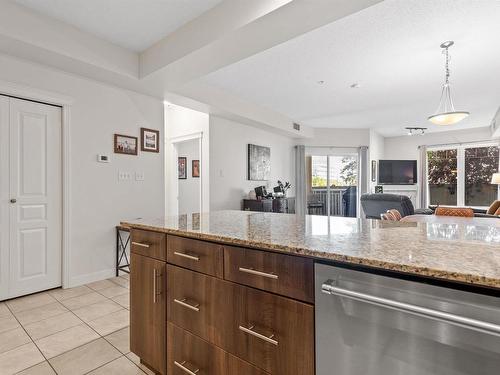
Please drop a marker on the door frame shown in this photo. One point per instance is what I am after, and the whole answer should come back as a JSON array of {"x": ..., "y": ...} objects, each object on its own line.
[
  {"x": 65, "y": 102},
  {"x": 174, "y": 141}
]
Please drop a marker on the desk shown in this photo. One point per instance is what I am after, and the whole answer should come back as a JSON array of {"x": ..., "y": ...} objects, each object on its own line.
[{"x": 452, "y": 220}]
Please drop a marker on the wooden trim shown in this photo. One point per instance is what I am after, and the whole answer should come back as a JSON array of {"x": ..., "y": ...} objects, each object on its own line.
[{"x": 157, "y": 132}]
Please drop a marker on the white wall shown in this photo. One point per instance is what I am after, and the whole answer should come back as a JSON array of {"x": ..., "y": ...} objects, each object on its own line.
[
  {"x": 181, "y": 122},
  {"x": 189, "y": 189},
  {"x": 406, "y": 147},
  {"x": 337, "y": 138},
  {"x": 228, "y": 158},
  {"x": 98, "y": 200}
]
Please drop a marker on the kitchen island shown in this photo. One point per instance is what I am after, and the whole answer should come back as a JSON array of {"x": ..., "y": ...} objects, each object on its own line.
[{"x": 233, "y": 292}]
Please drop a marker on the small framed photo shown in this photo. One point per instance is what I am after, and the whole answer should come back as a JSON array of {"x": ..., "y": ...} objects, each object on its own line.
[
  {"x": 195, "y": 168},
  {"x": 125, "y": 144},
  {"x": 150, "y": 140},
  {"x": 182, "y": 167}
]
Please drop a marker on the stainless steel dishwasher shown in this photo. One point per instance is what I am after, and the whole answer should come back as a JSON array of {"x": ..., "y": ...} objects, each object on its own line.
[{"x": 368, "y": 324}]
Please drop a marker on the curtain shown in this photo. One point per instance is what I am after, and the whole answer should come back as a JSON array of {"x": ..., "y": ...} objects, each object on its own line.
[
  {"x": 300, "y": 180},
  {"x": 362, "y": 176},
  {"x": 422, "y": 177}
]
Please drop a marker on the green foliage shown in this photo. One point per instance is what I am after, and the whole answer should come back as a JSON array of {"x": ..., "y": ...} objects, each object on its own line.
[{"x": 349, "y": 171}]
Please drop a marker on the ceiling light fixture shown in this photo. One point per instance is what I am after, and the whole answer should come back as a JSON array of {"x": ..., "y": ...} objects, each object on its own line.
[
  {"x": 320, "y": 82},
  {"x": 413, "y": 131},
  {"x": 446, "y": 113},
  {"x": 355, "y": 86}
]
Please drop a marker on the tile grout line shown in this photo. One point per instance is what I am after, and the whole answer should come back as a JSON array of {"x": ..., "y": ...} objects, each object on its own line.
[{"x": 34, "y": 343}]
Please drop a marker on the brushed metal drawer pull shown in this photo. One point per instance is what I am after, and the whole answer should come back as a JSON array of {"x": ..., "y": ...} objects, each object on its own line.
[
  {"x": 182, "y": 366},
  {"x": 250, "y": 331},
  {"x": 258, "y": 273},
  {"x": 141, "y": 244},
  {"x": 154, "y": 285},
  {"x": 184, "y": 255},
  {"x": 183, "y": 302}
]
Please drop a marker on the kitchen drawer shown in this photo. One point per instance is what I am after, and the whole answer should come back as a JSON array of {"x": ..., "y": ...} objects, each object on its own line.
[
  {"x": 194, "y": 301},
  {"x": 271, "y": 332},
  {"x": 188, "y": 354},
  {"x": 148, "y": 243},
  {"x": 287, "y": 275},
  {"x": 201, "y": 256}
]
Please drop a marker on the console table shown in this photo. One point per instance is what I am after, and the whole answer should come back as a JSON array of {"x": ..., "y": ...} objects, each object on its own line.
[{"x": 281, "y": 205}]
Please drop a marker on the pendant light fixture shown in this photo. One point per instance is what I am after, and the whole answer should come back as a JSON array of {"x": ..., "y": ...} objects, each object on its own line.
[{"x": 446, "y": 113}]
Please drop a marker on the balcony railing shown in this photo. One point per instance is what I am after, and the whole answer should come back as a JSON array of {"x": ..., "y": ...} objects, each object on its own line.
[{"x": 320, "y": 195}]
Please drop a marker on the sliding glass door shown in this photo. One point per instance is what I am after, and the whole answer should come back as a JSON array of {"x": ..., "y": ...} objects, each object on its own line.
[
  {"x": 331, "y": 183},
  {"x": 461, "y": 175}
]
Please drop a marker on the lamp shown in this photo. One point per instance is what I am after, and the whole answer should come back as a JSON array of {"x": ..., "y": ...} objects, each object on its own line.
[
  {"x": 495, "y": 179},
  {"x": 446, "y": 113}
]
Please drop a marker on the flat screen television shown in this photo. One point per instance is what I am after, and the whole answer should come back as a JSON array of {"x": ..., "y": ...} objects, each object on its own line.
[{"x": 397, "y": 172}]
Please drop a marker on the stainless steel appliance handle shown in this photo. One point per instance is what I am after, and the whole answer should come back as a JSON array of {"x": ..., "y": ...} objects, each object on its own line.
[
  {"x": 184, "y": 255},
  {"x": 477, "y": 325},
  {"x": 182, "y": 366},
  {"x": 258, "y": 273}
]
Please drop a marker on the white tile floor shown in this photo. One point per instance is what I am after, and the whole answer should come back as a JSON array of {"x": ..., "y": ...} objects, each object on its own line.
[{"x": 83, "y": 330}]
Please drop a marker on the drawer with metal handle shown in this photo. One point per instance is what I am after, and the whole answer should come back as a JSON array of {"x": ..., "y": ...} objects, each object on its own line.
[
  {"x": 278, "y": 273},
  {"x": 271, "y": 332},
  {"x": 201, "y": 256},
  {"x": 193, "y": 301},
  {"x": 190, "y": 355},
  {"x": 148, "y": 243}
]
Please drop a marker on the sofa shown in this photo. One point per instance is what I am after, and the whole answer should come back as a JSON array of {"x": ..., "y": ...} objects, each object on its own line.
[{"x": 376, "y": 204}]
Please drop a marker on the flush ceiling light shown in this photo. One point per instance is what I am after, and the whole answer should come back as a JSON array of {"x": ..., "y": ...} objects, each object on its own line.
[
  {"x": 413, "y": 131},
  {"x": 446, "y": 113}
]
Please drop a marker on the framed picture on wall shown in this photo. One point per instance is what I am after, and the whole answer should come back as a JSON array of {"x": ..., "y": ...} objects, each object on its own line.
[
  {"x": 182, "y": 167},
  {"x": 150, "y": 140},
  {"x": 374, "y": 170},
  {"x": 195, "y": 168},
  {"x": 259, "y": 163},
  {"x": 125, "y": 144}
]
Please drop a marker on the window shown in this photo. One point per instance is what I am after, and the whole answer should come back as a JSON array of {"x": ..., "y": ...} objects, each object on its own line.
[{"x": 461, "y": 175}]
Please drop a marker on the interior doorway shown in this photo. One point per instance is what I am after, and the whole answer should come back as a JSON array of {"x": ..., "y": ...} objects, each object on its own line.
[
  {"x": 31, "y": 197},
  {"x": 187, "y": 188}
]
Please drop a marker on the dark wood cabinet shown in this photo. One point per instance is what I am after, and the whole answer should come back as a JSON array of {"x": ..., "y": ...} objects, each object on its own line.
[
  {"x": 148, "y": 316},
  {"x": 271, "y": 332},
  {"x": 281, "y": 205},
  {"x": 219, "y": 309},
  {"x": 148, "y": 243},
  {"x": 287, "y": 275},
  {"x": 201, "y": 256}
]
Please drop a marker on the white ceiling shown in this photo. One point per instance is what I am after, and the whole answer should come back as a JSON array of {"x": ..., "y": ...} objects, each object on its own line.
[
  {"x": 392, "y": 50},
  {"x": 132, "y": 24}
]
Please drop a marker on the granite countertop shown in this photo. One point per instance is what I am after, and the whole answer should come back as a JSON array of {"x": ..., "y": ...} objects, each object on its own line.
[{"x": 452, "y": 251}]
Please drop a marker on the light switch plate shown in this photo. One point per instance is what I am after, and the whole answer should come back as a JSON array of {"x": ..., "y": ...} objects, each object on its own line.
[
  {"x": 124, "y": 176},
  {"x": 139, "y": 176}
]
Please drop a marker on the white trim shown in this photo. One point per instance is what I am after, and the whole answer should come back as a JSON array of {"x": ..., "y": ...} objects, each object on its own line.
[
  {"x": 90, "y": 277},
  {"x": 186, "y": 137},
  {"x": 31, "y": 93},
  {"x": 49, "y": 97}
]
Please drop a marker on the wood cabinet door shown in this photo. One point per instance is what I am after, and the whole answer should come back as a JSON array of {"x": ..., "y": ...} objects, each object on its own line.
[
  {"x": 148, "y": 316},
  {"x": 271, "y": 332},
  {"x": 148, "y": 243}
]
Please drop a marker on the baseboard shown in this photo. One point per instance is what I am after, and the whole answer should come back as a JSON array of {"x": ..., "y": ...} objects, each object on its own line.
[{"x": 90, "y": 277}]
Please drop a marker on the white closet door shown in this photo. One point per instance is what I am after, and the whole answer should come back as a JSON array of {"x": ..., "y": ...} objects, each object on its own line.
[
  {"x": 35, "y": 197},
  {"x": 4, "y": 197}
]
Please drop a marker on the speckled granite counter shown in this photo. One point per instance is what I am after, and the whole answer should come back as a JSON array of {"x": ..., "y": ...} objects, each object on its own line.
[{"x": 456, "y": 252}]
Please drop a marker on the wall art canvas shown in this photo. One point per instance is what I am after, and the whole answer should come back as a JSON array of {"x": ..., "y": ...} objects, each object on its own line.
[
  {"x": 196, "y": 168},
  {"x": 259, "y": 163},
  {"x": 182, "y": 168}
]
